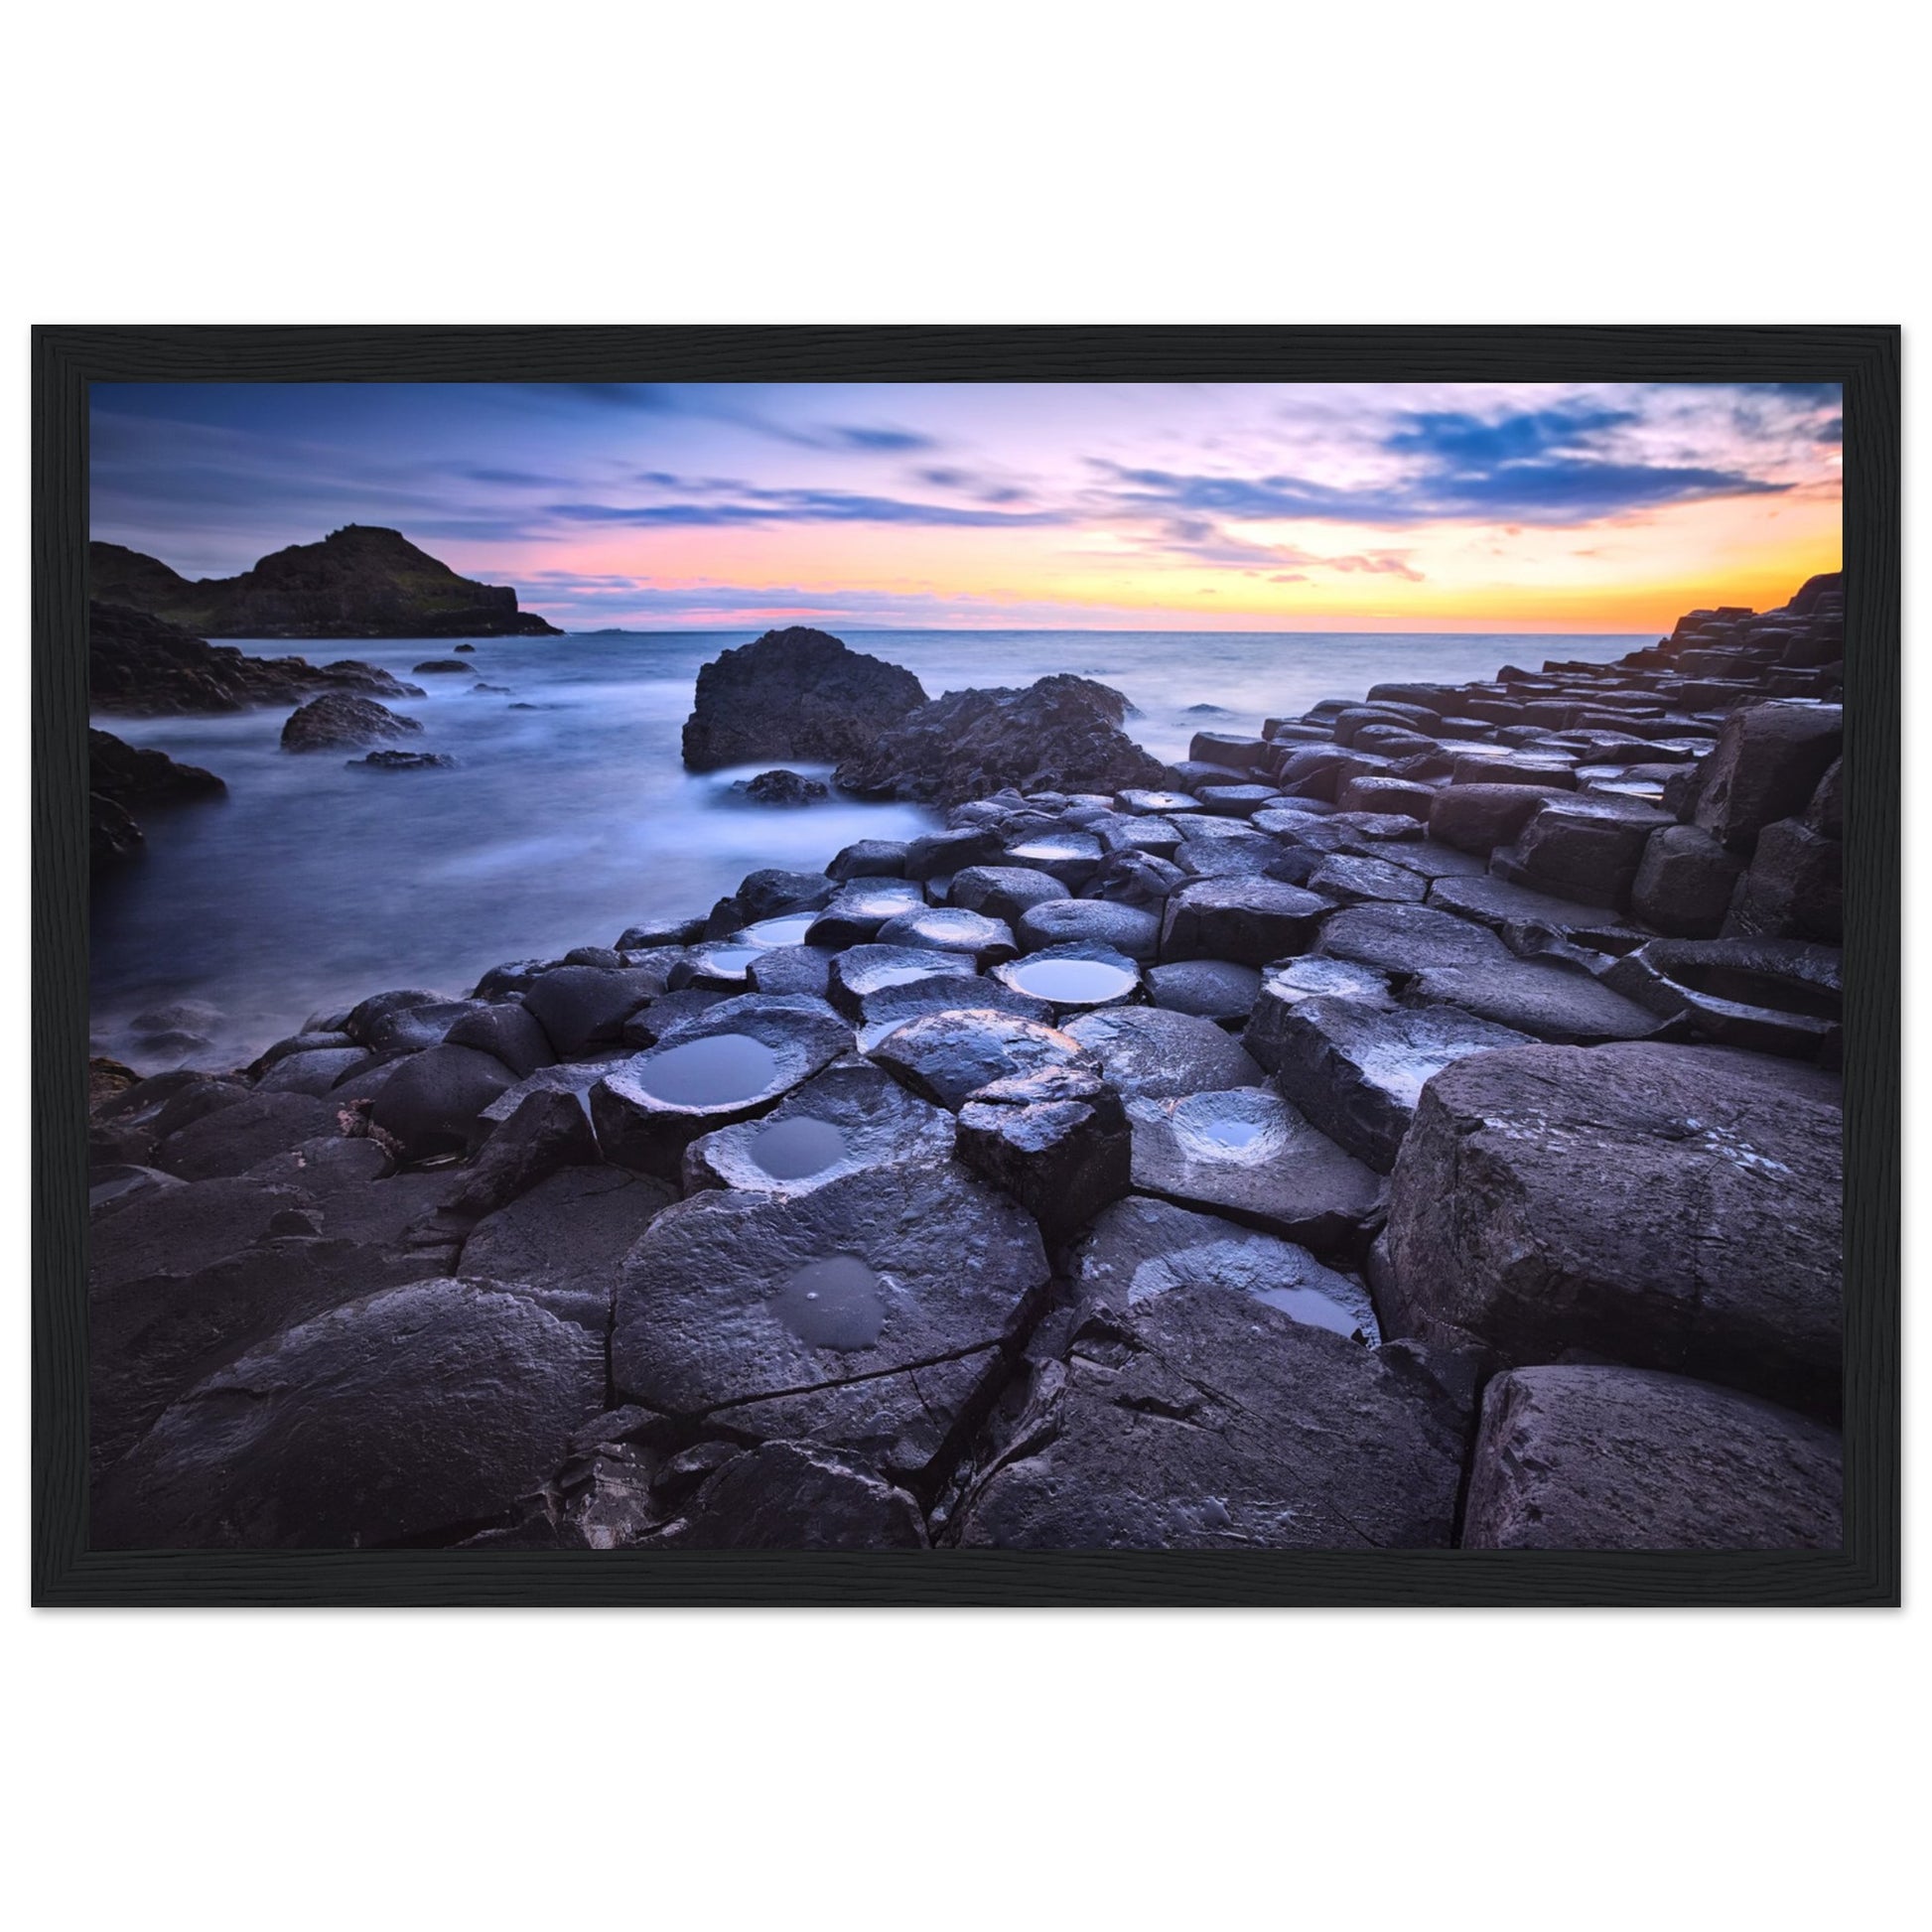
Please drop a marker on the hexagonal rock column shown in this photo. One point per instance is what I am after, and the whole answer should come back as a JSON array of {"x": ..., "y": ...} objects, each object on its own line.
[
  {"x": 1767, "y": 764},
  {"x": 1248, "y": 1155},
  {"x": 1153, "y": 1053},
  {"x": 409, "y": 1412},
  {"x": 1669, "y": 1208},
  {"x": 946, "y": 1058},
  {"x": 1249, "y": 920},
  {"x": 1205, "y": 1420},
  {"x": 1357, "y": 1071},
  {"x": 1055, "y": 1140},
  {"x": 1142, "y": 1248},
  {"x": 1619, "y": 1458},
  {"x": 852, "y": 1115},
  {"x": 867, "y": 1315},
  {"x": 736, "y": 1061}
]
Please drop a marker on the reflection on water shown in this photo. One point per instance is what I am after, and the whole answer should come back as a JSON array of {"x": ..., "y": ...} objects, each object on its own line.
[
  {"x": 721, "y": 1072},
  {"x": 1071, "y": 982},
  {"x": 833, "y": 1304},
  {"x": 312, "y": 883},
  {"x": 790, "y": 1149}
]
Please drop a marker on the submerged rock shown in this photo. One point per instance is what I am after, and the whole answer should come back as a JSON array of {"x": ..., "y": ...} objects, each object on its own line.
[
  {"x": 796, "y": 693},
  {"x": 1619, "y": 1458},
  {"x": 782, "y": 789}
]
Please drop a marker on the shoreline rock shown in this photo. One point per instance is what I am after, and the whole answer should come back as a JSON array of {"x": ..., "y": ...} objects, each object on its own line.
[{"x": 1410, "y": 1124}]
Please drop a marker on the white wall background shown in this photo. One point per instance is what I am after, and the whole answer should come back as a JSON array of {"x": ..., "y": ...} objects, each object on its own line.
[{"x": 1001, "y": 162}]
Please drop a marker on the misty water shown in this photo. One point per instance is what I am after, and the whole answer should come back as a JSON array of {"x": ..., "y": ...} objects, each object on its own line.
[{"x": 313, "y": 885}]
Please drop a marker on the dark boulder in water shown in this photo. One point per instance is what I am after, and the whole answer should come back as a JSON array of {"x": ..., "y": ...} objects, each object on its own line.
[
  {"x": 121, "y": 776},
  {"x": 795, "y": 694},
  {"x": 402, "y": 761},
  {"x": 782, "y": 789},
  {"x": 338, "y": 722},
  {"x": 143, "y": 665},
  {"x": 1061, "y": 734}
]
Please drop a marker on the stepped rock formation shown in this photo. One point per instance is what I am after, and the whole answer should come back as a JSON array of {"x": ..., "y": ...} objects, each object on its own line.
[
  {"x": 357, "y": 582},
  {"x": 930, "y": 1202}
]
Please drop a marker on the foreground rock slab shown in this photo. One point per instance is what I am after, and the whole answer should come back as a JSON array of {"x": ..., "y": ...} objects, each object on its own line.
[
  {"x": 1668, "y": 1207},
  {"x": 795, "y": 1496},
  {"x": 1207, "y": 1420},
  {"x": 835, "y": 1315},
  {"x": 1617, "y": 1459},
  {"x": 405, "y": 1414}
]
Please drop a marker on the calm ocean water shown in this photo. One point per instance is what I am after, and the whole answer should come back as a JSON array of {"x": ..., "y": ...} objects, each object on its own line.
[{"x": 313, "y": 885}]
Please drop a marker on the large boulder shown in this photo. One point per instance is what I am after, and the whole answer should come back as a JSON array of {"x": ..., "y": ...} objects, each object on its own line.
[
  {"x": 1685, "y": 882},
  {"x": 1670, "y": 1208},
  {"x": 1055, "y": 1140},
  {"x": 1769, "y": 761},
  {"x": 338, "y": 722},
  {"x": 1202, "y": 1419},
  {"x": 405, "y": 1415},
  {"x": 1617, "y": 1459},
  {"x": 795, "y": 693},
  {"x": 1061, "y": 734}
]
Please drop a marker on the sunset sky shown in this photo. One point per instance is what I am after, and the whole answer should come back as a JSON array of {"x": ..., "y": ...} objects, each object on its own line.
[{"x": 1388, "y": 506}]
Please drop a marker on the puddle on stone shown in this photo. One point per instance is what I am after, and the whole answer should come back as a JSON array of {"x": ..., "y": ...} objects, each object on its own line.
[
  {"x": 1070, "y": 982},
  {"x": 1048, "y": 852},
  {"x": 713, "y": 1072},
  {"x": 790, "y": 1149},
  {"x": 833, "y": 1304},
  {"x": 1310, "y": 1307},
  {"x": 788, "y": 929},
  {"x": 1242, "y": 1125},
  {"x": 728, "y": 958}
]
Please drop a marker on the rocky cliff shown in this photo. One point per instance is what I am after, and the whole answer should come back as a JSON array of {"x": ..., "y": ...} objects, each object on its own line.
[{"x": 357, "y": 582}]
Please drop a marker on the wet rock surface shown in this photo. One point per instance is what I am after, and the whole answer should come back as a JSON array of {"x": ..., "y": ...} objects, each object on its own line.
[
  {"x": 733, "y": 1301},
  {"x": 1357, "y": 1071},
  {"x": 898, "y": 1097},
  {"x": 407, "y": 1413},
  {"x": 1668, "y": 1207},
  {"x": 1205, "y": 1420},
  {"x": 1249, "y": 1155},
  {"x": 1618, "y": 1458}
]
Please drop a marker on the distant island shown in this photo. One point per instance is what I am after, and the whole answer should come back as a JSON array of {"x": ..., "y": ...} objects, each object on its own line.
[{"x": 357, "y": 582}]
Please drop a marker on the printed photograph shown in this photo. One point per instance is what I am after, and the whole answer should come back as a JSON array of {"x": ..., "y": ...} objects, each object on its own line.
[{"x": 954, "y": 966}]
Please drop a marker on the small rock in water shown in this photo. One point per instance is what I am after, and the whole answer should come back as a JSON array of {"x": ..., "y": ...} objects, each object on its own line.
[
  {"x": 782, "y": 789},
  {"x": 402, "y": 761}
]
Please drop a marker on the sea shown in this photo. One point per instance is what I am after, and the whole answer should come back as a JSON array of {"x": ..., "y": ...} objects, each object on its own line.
[{"x": 569, "y": 816}]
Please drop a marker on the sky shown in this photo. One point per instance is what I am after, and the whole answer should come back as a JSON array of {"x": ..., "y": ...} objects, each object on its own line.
[{"x": 1321, "y": 506}]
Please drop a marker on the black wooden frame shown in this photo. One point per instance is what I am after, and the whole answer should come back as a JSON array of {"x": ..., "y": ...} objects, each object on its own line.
[{"x": 1865, "y": 359}]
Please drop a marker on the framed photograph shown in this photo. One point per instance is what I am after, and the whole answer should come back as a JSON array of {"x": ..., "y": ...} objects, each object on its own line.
[{"x": 966, "y": 966}]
